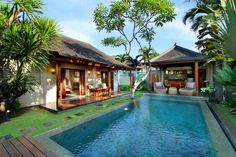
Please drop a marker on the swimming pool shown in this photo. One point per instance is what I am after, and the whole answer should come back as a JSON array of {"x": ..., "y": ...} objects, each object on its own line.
[{"x": 152, "y": 126}]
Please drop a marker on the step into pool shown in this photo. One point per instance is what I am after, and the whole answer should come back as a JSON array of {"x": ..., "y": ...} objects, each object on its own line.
[{"x": 151, "y": 126}]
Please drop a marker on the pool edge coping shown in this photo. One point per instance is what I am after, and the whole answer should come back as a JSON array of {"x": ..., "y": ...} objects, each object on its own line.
[{"x": 221, "y": 143}]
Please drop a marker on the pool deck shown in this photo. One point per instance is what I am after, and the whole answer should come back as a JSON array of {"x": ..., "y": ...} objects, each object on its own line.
[
  {"x": 24, "y": 146},
  {"x": 71, "y": 103}
]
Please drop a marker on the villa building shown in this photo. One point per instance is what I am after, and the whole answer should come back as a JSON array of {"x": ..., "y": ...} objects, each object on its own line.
[
  {"x": 179, "y": 65},
  {"x": 77, "y": 69}
]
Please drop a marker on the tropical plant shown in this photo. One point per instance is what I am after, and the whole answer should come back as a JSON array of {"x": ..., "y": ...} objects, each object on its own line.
[
  {"x": 204, "y": 18},
  {"x": 121, "y": 57},
  {"x": 227, "y": 77},
  {"x": 227, "y": 29},
  {"x": 25, "y": 42},
  {"x": 146, "y": 53},
  {"x": 135, "y": 21}
]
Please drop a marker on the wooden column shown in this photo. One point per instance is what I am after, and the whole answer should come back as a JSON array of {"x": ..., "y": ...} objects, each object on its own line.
[
  {"x": 82, "y": 83},
  {"x": 131, "y": 79},
  {"x": 109, "y": 80},
  {"x": 58, "y": 77},
  {"x": 196, "y": 76},
  {"x": 156, "y": 75},
  {"x": 150, "y": 81}
]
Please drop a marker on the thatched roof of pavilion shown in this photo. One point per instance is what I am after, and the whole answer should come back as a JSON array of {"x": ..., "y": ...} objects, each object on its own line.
[{"x": 76, "y": 49}]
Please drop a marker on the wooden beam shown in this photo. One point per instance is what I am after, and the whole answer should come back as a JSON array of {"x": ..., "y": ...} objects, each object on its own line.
[
  {"x": 131, "y": 79},
  {"x": 58, "y": 77},
  {"x": 157, "y": 77},
  {"x": 196, "y": 76},
  {"x": 109, "y": 79},
  {"x": 150, "y": 81}
]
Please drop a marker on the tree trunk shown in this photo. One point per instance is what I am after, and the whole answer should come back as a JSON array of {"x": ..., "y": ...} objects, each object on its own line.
[{"x": 138, "y": 81}]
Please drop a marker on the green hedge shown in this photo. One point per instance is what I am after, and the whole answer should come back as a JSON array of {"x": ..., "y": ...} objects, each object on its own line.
[{"x": 125, "y": 87}]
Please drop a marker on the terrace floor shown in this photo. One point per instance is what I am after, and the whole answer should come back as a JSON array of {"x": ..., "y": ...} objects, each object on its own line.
[
  {"x": 80, "y": 101},
  {"x": 24, "y": 146}
]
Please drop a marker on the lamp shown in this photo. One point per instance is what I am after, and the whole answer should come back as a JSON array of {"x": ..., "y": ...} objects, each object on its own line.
[
  {"x": 51, "y": 69},
  {"x": 89, "y": 72},
  {"x": 98, "y": 72}
]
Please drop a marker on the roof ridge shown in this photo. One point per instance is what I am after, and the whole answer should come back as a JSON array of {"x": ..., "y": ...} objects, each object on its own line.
[
  {"x": 163, "y": 53},
  {"x": 188, "y": 50}
]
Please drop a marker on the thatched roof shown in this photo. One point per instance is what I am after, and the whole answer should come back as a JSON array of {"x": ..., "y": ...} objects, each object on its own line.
[
  {"x": 178, "y": 54},
  {"x": 75, "y": 49}
]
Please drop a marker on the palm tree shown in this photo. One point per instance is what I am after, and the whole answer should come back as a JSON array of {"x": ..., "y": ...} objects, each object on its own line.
[
  {"x": 27, "y": 8},
  {"x": 121, "y": 57},
  {"x": 204, "y": 18},
  {"x": 147, "y": 54},
  {"x": 227, "y": 29},
  {"x": 25, "y": 44}
]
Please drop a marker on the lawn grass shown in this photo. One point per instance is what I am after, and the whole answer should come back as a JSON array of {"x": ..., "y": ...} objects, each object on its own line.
[
  {"x": 225, "y": 109},
  {"x": 35, "y": 117}
]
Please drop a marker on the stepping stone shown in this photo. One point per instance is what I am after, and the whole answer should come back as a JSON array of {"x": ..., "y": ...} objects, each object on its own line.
[
  {"x": 48, "y": 124},
  {"x": 67, "y": 118},
  {"x": 98, "y": 108},
  {"x": 5, "y": 138},
  {"x": 89, "y": 111},
  {"x": 28, "y": 130},
  {"x": 79, "y": 114}
]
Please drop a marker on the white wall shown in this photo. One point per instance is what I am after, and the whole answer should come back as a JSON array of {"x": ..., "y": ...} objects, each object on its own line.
[
  {"x": 33, "y": 98},
  {"x": 49, "y": 85},
  {"x": 209, "y": 74},
  {"x": 44, "y": 94},
  {"x": 115, "y": 81}
]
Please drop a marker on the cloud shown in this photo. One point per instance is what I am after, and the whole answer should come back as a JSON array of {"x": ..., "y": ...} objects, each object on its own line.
[
  {"x": 81, "y": 30},
  {"x": 178, "y": 30}
]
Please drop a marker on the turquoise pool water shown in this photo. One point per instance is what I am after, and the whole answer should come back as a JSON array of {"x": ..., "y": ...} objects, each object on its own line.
[{"x": 158, "y": 127}]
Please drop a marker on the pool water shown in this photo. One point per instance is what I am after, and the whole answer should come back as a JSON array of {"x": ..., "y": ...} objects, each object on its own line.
[{"x": 150, "y": 127}]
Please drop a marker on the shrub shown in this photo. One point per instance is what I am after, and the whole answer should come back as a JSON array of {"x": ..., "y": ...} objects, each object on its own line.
[
  {"x": 125, "y": 87},
  {"x": 14, "y": 107}
]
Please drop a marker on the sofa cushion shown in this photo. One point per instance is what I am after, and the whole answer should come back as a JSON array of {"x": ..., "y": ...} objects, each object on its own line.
[
  {"x": 190, "y": 85},
  {"x": 158, "y": 85}
]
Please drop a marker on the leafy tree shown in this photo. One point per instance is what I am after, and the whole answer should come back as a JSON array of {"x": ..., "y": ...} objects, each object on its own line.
[
  {"x": 139, "y": 15},
  {"x": 25, "y": 41}
]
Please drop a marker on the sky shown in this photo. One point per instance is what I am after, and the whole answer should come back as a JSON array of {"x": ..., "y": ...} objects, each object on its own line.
[{"x": 75, "y": 18}]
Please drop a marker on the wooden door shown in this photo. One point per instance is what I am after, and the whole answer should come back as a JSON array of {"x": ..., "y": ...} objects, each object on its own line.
[
  {"x": 104, "y": 77},
  {"x": 202, "y": 77}
]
